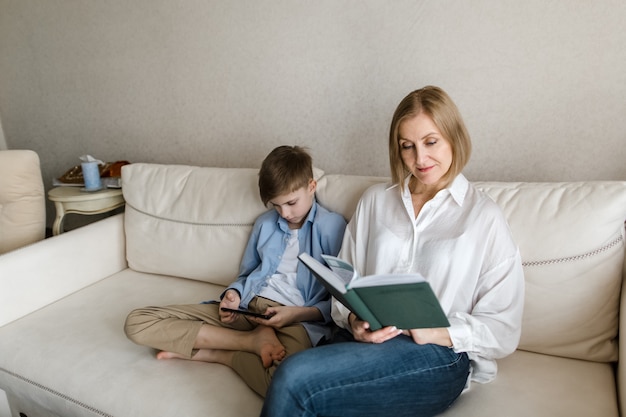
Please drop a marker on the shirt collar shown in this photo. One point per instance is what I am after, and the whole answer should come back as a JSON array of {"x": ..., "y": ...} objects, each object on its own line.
[{"x": 457, "y": 189}]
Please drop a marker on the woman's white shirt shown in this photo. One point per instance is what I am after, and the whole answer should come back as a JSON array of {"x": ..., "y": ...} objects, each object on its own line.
[{"x": 461, "y": 243}]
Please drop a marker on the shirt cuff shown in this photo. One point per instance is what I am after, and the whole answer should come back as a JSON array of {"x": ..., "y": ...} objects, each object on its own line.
[
  {"x": 340, "y": 315},
  {"x": 461, "y": 337}
]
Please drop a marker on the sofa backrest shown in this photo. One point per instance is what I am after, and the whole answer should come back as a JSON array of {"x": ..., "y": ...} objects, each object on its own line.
[
  {"x": 194, "y": 222},
  {"x": 571, "y": 238},
  {"x": 190, "y": 222}
]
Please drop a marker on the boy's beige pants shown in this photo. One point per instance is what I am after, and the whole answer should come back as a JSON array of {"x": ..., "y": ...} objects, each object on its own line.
[{"x": 174, "y": 329}]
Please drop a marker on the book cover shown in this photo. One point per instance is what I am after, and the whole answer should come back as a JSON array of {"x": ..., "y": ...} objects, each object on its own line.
[{"x": 403, "y": 300}]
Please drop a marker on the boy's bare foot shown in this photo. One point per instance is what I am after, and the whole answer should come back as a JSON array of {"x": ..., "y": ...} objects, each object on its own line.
[
  {"x": 268, "y": 346},
  {"x": 204, "y": 355},
  {"x": 169, "y": 355},
  {"x": 262, "y": 341}
]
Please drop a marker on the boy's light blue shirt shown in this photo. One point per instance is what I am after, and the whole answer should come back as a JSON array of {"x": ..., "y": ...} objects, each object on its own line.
[{"x": 321, "y": 233}]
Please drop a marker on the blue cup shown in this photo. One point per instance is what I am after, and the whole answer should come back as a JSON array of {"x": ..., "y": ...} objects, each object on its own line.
[{"x": 91, "y": 174}]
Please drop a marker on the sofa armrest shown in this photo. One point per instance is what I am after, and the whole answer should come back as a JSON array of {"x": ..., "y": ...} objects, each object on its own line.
[
  {"x": 621, "y": 364},
  {"x": 44, "y": 272}
]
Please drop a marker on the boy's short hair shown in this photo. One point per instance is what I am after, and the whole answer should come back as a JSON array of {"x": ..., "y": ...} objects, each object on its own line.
[{"x": 285, "y": 170}]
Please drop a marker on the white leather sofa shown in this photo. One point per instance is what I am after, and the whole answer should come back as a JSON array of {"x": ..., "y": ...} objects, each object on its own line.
[{"x": 63, "y": 300}]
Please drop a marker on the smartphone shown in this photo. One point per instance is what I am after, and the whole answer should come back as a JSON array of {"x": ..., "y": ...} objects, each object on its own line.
[{"x": 248, "y": 313}]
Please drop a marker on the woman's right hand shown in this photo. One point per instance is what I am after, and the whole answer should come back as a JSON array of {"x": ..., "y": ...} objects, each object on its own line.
[{"x": 362, "y": 333}]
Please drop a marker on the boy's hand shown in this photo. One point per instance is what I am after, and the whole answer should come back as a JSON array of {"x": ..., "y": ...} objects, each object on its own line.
[
  {"x": 285, "y": 315},
  {"x": 231, "y": 299}
]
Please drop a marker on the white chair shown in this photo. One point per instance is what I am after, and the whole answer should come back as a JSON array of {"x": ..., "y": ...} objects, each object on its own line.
[{"x": 22, "y": 200}]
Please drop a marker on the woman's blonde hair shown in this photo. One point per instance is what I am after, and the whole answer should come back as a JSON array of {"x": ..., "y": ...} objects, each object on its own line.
[{"x": 435, "y": 103}]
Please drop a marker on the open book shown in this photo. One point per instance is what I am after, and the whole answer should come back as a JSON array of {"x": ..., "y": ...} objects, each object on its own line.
[{"x": 403, "y": 300}]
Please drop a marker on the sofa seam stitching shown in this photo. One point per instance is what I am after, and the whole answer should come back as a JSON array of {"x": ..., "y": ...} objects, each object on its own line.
[
  {"x": 56, "y": 393},
  {"x": 574, "y": 258},
  {"x": 188, "y": 222}
]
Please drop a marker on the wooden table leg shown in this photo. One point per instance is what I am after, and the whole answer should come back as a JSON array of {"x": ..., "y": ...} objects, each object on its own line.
[{"x": 57, "y": 227}]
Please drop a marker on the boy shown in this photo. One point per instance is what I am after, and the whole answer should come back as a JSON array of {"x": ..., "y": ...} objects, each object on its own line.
[{"x": 271, "y": 282}]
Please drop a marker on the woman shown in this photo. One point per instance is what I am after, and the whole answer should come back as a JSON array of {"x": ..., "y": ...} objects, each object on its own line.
[{"x": 430, "y": 220}]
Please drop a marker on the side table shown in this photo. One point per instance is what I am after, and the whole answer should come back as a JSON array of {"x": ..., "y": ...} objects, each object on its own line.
[{"x": 73, "y": 200}]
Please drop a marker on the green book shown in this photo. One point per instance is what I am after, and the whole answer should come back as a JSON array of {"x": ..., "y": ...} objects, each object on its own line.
[{"x": 406, "y": 301}]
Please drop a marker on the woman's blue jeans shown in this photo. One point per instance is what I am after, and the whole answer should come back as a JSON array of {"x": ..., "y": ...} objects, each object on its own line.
[{"x": 396, "y": 378}]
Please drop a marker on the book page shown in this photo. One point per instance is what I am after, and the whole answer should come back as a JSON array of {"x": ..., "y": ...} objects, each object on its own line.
[
  {"x": 391, "y": 279},
  {"x": 333, "y": 282},
  {"x": 343, "y": 269}
]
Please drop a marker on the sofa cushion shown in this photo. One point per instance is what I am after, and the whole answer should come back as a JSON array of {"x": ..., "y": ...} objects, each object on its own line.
[
  {"x": 61, "y": 339},
  {"x": 532, "y": 384},
  {"x": 341, "y": 193},
  {"x": 571, "y": 238},
  {"x": 187, "y": 221},
  {"x": 191, "y": 222},
  {"x": 72, "y": 358}
]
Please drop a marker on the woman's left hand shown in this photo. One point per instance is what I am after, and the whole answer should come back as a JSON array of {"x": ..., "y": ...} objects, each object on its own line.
[
  {"x": 362, "y": 333},
  {"x": 437, "y": 336}
]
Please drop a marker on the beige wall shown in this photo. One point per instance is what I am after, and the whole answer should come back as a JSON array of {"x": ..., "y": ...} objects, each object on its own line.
[{"x": 541, "y": 83}]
